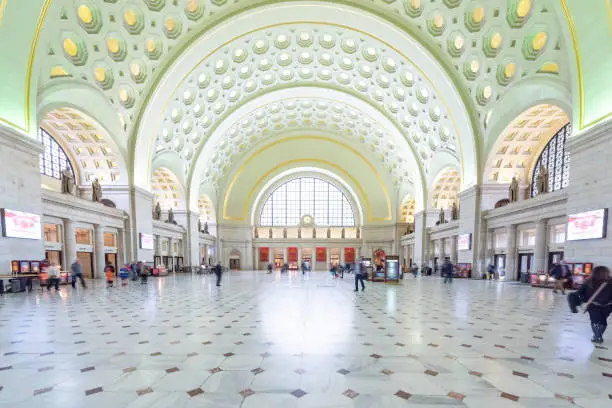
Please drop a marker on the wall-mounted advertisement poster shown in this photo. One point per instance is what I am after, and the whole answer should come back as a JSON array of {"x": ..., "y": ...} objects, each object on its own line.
[
  {"x": 146, "y": 241},
  {"x": 587, "y": 225},
  {"x": 17, "y": 224},
  {"x": 464, "y": 242}
]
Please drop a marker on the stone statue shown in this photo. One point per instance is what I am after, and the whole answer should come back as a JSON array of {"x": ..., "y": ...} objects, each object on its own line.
[
  {"x": 284, "y": 232},
  {"x": 256, "y": 232},
  {"x": 96, "y": 191},
  {"x": 300, "y": 232},
  {"x": 343, "y": 233},
  {"x": 206, "y": 227},
  {"x": 358, "y": 233},
  {"x": 199, "y": 226},
  {"x": 441, "y": 217},
  {"x": 157, "y": 212},
  {"x": 454, "y": 212},
  {"x": 67, "y": 181},
  {"x": 542, "y": 180},
  {"x": 513, "y": 191},
  {"x": 270, "y": 233},
  {"x": 314, "y": 232},
  {"x": 329, "y": 233},
  {"x": 170, "y": 216}
]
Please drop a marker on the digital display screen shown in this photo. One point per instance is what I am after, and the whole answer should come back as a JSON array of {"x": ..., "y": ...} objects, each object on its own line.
[
  {"x": 464, "y": 242},
  {"x": 587, "y": 225},
  {"x": 17, "y": 224},
  {"x": 146, "y": 241},
  {"x": 392, "y": 267}
]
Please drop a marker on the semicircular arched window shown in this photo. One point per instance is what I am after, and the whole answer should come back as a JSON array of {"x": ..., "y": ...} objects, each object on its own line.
[
  {"x": 53, "y": 159},
  {"x": 556, "y": 160},
  {"x": 307, "y": 196}
]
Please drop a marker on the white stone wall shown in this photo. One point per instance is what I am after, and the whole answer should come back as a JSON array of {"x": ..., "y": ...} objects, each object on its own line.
[
  {"x": 19, "y": 190},
  {"x": 590, "y": 188}
]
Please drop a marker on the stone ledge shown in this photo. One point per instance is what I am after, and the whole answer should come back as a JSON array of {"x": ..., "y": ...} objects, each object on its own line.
[
  {"x": 70, "y": 201},
  {"x": 539, "y": 202},
  {"x": 164, "y": 226}
]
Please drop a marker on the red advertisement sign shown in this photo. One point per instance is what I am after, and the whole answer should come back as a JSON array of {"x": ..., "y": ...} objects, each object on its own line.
[
  {"x": 264, "y": 254},
  {"x": 292, "y": 254},
  {"x": 349, "y": 255},
  {"x": 321, "y": 254}
]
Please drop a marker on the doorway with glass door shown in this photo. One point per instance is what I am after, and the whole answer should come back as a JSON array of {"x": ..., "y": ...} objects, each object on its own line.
[{"x": 525, "y": 266}]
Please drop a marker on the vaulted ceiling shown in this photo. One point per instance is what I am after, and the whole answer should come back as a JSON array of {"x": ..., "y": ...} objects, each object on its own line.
[{"x": 395, "y": 109}]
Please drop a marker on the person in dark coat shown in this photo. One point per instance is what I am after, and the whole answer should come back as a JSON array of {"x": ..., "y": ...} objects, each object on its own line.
[
  {"x": 218, "y": 272},
  {"x": 561, "y": 273},
  {"x": 447, "y": 271},
  {"x": 601, "y": 305}
]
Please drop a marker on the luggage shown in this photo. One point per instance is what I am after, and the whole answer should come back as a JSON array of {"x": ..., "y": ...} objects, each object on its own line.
[{"x": 574, "y": 300}]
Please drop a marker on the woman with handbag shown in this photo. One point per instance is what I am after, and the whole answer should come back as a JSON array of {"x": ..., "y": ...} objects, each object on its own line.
[{"x": 597, "y": 293}]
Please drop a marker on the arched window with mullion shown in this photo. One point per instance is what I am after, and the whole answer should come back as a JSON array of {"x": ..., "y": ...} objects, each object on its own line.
[
  {"x": 291, "y": 201},
  {"x": 53, "y": 159}
]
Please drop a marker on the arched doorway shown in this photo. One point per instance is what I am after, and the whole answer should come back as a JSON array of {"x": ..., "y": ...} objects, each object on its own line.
[{"x": 234, "y": 260}]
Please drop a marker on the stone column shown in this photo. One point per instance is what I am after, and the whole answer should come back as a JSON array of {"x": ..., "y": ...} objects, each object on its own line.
[
  {"x": 420, "y": 239},
  {"x": 158, "y": 245},
  {"x": 511, "y": 254},
  {"x": 19, "y": 188},
  {"x": 142, "y": 221},
  {"x": 69, "y": 244},
  {"x": 256, "y": 266},
  {"x": 99, "y": 263},
  {"x": 541, "y": 247},
  {"x": 192, "y": 247},
  {"x": 469, "y": 223},
  {"x": 328, "y": 260},
  {"x": 299, "y": 256},
  {"x": 453, "y": 245},
  {"x": 342, "y": 256},
  {"x": 285, "y": 255}
]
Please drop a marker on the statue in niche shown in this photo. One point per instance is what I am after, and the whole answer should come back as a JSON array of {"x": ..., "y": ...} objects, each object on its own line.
[
  {"x": 542, "y": 180},
  {"x": 170, "y": 216},
  {"x": 343, "y": 233},
  {"x": 300, "y": 232},
  {"x": 206, "y": 227},
  {"x": 270, "y": 233},
  {"x": 96, "y": 191},
  {"x": 358, "y": 233},
  {"x": 328, "y": 233},
  {"x": 454, "y": 212},
  {"x": 513, "y": 191},
  {"x": 314, "y": 232},
  {"x": 67, "y": 181},
  {"x": 199, "y": 226},
  {"x": 157, "y": 212},
  {"x": 284, "y": 232},
  {"x": 256, "y": 232},
  {"x": 441, "y": 217}
]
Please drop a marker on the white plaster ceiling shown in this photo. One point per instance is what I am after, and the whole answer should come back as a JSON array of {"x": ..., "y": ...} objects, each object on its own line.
[
  {"x": 167, "y": 189},
  {"x": 445, "y": 189},
  {"x": 520, "y": 144},
  {"x": 207, "y": 210},
  {"x": 304, "y": 54},
  {"x": 87, "y": 145},
  {"x": 407, "y": 211},
  {"x": 310, "y": 114}
]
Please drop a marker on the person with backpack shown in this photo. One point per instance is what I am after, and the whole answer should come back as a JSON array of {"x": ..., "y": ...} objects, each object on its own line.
[{"x": 597, "y": 293}]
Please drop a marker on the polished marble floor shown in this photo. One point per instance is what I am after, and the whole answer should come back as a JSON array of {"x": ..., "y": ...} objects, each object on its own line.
[{"x": 291, "y": 341}]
